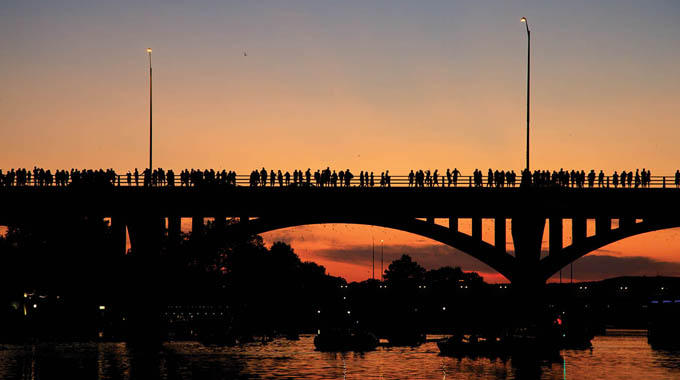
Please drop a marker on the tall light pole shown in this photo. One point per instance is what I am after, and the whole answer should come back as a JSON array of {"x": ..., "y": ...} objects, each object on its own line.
[
  {"x": 526, "y": 23},
  {"x": 382, "y": 251},
  {"x": 148, "y": 50},
  {"x": 373, "y": 261}
]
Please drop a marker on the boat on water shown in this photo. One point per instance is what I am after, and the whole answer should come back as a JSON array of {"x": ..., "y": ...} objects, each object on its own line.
[
  {"x": 345, "y": 340},
  {"x": 520, "y": 341},
  {"x": 406, "y": 338},
  {"x": 473, "y": 345}
]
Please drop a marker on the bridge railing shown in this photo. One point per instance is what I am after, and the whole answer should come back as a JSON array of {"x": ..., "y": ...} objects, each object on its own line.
[{"x": 123, "y": 180}]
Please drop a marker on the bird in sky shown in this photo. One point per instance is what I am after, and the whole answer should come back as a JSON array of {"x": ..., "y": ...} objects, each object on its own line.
[{"x": 244, "y": 54}]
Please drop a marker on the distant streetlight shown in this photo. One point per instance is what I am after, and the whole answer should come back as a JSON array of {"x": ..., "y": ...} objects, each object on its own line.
[
  {"x": 526, "y": 23},
  {"x": 148, "y": 50}
]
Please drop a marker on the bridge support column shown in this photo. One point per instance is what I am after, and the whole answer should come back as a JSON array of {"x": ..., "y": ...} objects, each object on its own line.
[
  {"x": 477, "y": 228},
  {"x": 119, "y": 234},
  {"x": 626, "y": 222},
  {"x": 197, "y": 227},
  {"x": 174, "y": 230},
  {"x": 579, "y": 230},
  {"x": 527, "y": 283},
  {"x": 555, "y": 236},
  {"x": 499, "y": 233},
  {"x": 430, "y": 220},
  {"x": 453, "y": 224},
  {"x": 220, "y": 223},
  {"x": 527, "y": 234},
  {"x": 603, "y": 225},
  {"x": 146, "y": 281}
]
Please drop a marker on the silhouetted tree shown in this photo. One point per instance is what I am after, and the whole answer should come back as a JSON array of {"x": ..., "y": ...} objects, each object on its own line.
[{"x": 404, "y": 271}]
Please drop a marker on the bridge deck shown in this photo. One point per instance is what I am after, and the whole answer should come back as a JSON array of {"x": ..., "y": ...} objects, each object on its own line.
[{"x": 27, "y": 203}]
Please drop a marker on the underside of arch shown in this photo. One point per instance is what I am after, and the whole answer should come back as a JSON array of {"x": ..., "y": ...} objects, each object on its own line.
[
  {"x": 553, "y": 263},
  {"x": 480, "y": 250}
]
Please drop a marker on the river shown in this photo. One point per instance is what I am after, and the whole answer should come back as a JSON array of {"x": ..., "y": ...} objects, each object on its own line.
[{"x": 621, "y": 354}]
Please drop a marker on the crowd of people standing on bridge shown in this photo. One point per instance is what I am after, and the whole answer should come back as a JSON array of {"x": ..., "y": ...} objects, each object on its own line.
[
  {"x": 332, "y": 178},
  {"x": 42, "y": 177},
  {"x": 320, "y": 178},
  {"x": 579, "y": 179}
]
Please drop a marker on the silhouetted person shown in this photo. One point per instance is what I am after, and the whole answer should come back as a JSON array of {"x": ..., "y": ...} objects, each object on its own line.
[
  {"x": 630, "y": 178},
  {"x": 136, "y": 177},
  {"x": 263, "y": 177},
  {"x": 600, "y": 179},
  {"x": 677, "y": 178},
  {"x": 615, "y": 179},
  {"x": 455, "y": 173},
  {"x": 348, "y": 177},
  {"x": 411, "y": 178}
]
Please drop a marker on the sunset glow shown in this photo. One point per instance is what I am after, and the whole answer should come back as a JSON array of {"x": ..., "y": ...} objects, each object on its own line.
[{"x": 381, "y": 85}]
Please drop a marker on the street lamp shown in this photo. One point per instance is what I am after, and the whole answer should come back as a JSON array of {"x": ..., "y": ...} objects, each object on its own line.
[
  {"x": 526, "y": 23},
  {"x": 148, "y": 50},
  {"x": 373, "y": 260},
  {"x": 382, "y": 251}
]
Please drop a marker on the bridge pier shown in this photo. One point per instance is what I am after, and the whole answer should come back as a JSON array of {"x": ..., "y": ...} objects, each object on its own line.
[
  {"x": 527, "y": 282},
  {"x": 145, "y": 280},
  {"x": 174, "y": 230},
  {"x": 197, "y": 227},
  {"x": 579, "y": 230},
  {"x": 119, "y": 235},
  {"x": 555, "y": 236},
  {"x": 527, "y": 234}
]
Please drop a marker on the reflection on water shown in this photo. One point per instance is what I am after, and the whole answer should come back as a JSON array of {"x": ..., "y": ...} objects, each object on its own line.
[{"x": 621, "y": 354}]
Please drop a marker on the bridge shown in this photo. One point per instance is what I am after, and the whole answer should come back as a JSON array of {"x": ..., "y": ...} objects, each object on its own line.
[{"x": 432, "y": 212}]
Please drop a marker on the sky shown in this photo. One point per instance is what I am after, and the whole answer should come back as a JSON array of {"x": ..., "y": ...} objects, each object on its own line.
[{"x": 365, "y": 85}]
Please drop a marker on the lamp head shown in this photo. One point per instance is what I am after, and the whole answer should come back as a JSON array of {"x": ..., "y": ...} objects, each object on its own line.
[
  {"x": 148, "y": 50},
  {"x": 523, "y": 19}
]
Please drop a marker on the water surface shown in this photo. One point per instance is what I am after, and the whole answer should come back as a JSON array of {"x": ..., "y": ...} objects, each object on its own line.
[{"x": 619, "y": 355}]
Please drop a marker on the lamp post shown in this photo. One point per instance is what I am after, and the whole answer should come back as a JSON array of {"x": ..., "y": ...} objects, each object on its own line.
[
  {"x": 382, "y": 251},
  {"x": 148, "y": 50},
  {"x": 526, "y": 23},
  {"x": 373, "y": 260}
]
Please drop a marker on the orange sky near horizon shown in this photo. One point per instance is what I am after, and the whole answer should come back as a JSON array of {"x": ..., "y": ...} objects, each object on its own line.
[{"x": 369, "y": 85}]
